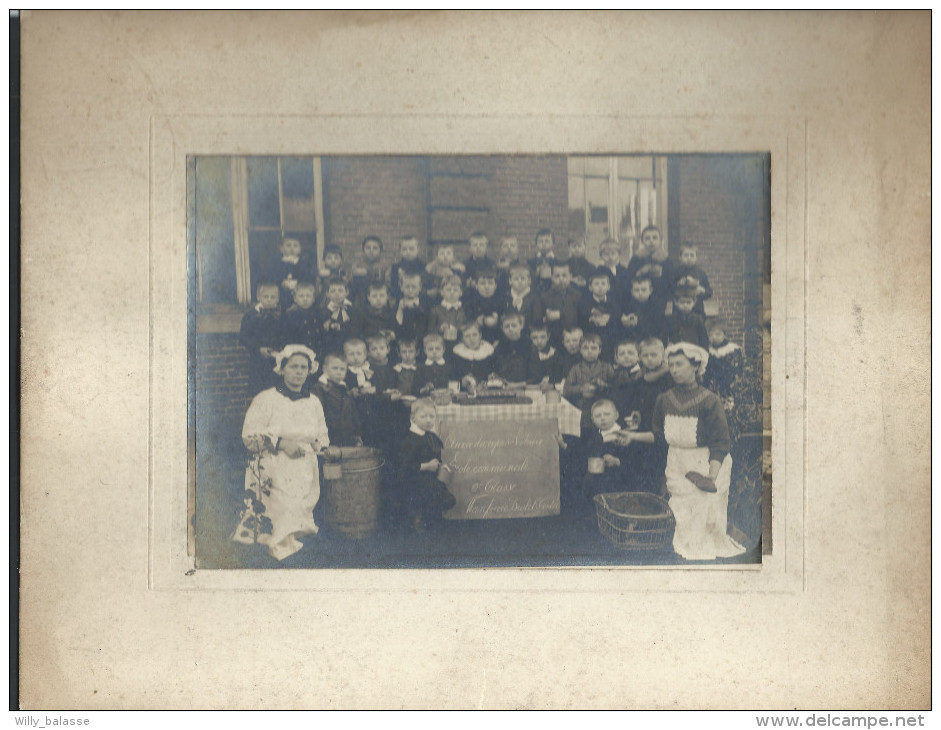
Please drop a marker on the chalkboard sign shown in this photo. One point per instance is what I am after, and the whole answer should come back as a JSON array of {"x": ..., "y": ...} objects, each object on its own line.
[{"x": 502, "y": 469}]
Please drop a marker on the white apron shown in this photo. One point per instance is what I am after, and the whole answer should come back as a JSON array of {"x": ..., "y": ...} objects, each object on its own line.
[
  {"x": 701, "y": 517},
  {"x": 281, "y": 492}
]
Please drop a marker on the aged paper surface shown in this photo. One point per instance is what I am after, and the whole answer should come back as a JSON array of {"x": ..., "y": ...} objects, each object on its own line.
[{"x": 837, "y": 616}]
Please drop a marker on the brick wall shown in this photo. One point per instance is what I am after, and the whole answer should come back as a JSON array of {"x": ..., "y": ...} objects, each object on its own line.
[
  {"x": 383, "y": 196},
  {"x": 715, "y": 203},
  {"x": 522, "y": 194},
  {"x": 221, "y": 376},
  {"x": 529, "y": 193}
]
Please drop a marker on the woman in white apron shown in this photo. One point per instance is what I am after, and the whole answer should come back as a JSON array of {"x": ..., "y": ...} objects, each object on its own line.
[
  {"x": 691, "y": 420},
  {"x": 285, "y": 430}
]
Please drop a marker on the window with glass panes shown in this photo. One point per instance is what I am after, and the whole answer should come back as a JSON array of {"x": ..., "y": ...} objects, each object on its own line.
[
  {"x": 616, "y": 197},
  {"x": 244, "y": 207}
]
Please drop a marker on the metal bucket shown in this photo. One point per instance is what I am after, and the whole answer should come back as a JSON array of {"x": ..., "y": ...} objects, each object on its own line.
[{"x": 352, "y": 498}]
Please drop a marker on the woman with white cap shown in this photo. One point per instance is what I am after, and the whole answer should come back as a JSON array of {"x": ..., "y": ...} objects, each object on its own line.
[
  {"x": 285, "y": 430},
  {"x": 692, "y": 422}
]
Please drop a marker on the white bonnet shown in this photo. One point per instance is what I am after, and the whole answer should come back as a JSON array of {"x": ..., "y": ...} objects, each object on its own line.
[
  {"x": 281, "y": 357},
  {"x": 694, "y": 353}
]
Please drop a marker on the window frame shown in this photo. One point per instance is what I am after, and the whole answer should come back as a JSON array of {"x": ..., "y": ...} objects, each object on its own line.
[
  {"x": 242, "y": 225},
  {"x": 226, "y": 317},
  {"x": 659, "y": 182}
]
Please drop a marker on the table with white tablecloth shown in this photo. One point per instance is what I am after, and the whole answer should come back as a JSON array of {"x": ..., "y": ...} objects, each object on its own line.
[{"x": 564, "y": 413}]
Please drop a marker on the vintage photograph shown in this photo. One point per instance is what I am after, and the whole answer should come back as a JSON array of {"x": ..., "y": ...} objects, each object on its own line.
[{"x": 479, "y": 361}]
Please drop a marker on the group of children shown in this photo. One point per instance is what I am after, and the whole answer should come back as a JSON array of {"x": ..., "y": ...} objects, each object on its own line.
[{"x": 388, "y": 335}]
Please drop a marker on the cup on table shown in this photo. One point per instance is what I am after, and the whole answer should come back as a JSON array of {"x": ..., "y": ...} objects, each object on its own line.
[{"x": 454, "y": 387}]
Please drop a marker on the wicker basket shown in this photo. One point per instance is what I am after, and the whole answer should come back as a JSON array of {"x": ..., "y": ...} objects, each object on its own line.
[{"x": 635, "y": 520}]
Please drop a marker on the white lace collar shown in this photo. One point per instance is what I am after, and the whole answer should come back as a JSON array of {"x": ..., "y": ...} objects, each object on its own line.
[
  {"x": 727, "y": 349},
  {"x": 481, "y": 353}
]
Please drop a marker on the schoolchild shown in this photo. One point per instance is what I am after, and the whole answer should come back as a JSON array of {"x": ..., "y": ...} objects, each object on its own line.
[
  {"x": 684, "y": 325},
  {"x": 478, "y": 260},
  {"x": 541, "y": 264},
  {"x": 444, "y": 266},
  {"x": 656, "y": 376},
  {"x": 291, "y": 268},
  {"x": 651, "y": 259},
  {"x": 513, "y": 354},
  {"x": 359, "y": 375},
  {"x": 571, "y": 348},
  {"x": 627, "y": 368},
  {"x": 447, "y": 317},
  {"x": 546, "y": 366},
  {"x": 422, "y": 497},
  {"x": 302, "y": 321},
  {"x": 336, "y": 316},
  {"x": 599, "y": 312},
  {"x": 610, "y": 253},
  {"x": 406, "y": 367},
  {"x": 725, "y": 362},
  {"x": 688, "y": 273},
  {"x": 509, "y": 256},
  {"x": 650, "y": 461},
  {"x": 262, "y": 334},
  {"x": 603, "y": 453},
  {"x": 557, "y": 306},
  {"x": 378, "y": 351},
  {"x": 360, "y": 383},
  {"x": 580, "y": 267},
  {"x": 484, "y": 306},
  {"x": 339, "y": 407},
  {"x": 627, "y": 371},
  {"x": 332, "y": 269},
  {"x": 374, "y": 315},
  {"x": 472, "y": 357},
  {"x": 521, "y": 299},
  {"x": 435, "y": 373},
  {"x": 411, "y": 314},
  {"x": 369, "y": 269},
  {"x": 643, "y": 316},
  {"x": 409, "y": 264},
  {"x": 379, "y": 425},
  {"x": 589, "y": 379}
]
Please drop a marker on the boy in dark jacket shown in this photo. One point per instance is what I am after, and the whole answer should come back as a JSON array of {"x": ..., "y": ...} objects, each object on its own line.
[
  {"x": 684, "y": 325},
  {"x": 421, "y": 496},
  {"x": 262, "y": 335},
  {"x": 541, "y": 264},
  {"x": 339, "y": 408},
  {"x": 513, "y": 354},
  {"x": 301, "y": 321},
  {"x": 687, "y": 273},
  {"x": 558, "y": 305},
  {"x": 485, "y": 306},
  {"x": 411, "y": 314},
  {"x": 436, "y": 372},
  {"x": 546, "y": 365}
]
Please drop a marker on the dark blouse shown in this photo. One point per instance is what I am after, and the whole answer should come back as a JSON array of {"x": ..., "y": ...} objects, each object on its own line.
[{"x": 694, "y": 401}]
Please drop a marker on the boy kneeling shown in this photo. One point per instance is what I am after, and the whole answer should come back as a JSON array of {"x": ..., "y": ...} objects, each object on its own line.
[{"x": 422, "y": 496}]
